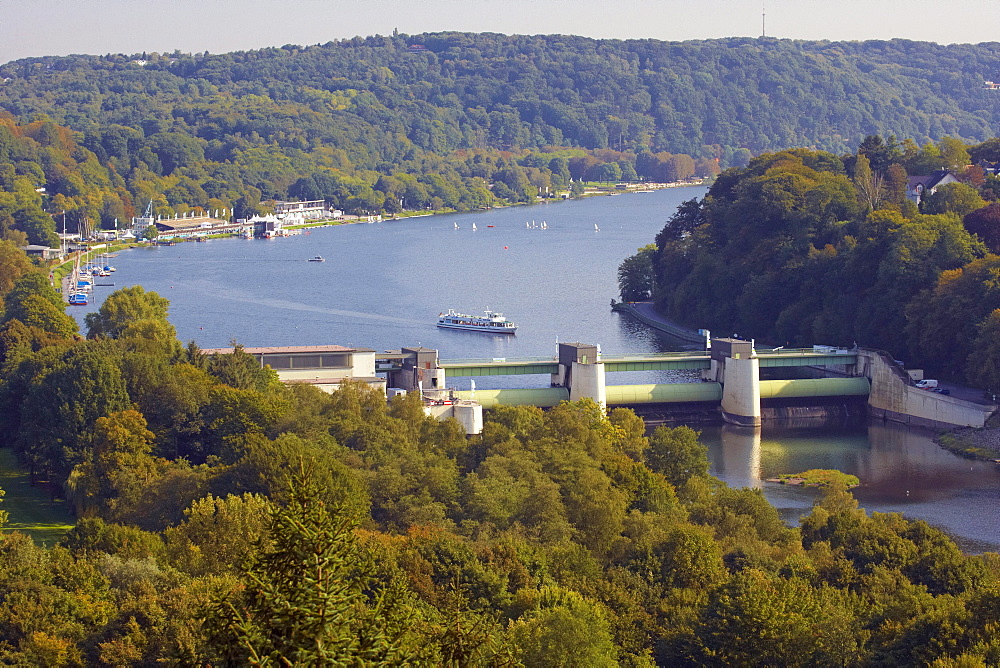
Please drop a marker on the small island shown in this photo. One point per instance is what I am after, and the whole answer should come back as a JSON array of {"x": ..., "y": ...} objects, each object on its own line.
[{"x": 818, "y": 478}]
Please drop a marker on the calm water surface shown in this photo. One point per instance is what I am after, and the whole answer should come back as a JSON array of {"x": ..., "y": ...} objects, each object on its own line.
[{"x": 383, "y": 285}]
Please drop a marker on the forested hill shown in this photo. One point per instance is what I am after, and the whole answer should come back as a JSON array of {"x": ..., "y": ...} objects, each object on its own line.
[{"x": 379, "y": 97}]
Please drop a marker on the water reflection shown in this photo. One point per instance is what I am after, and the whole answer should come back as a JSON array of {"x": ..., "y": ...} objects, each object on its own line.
[{"x": 901, "y": 470}]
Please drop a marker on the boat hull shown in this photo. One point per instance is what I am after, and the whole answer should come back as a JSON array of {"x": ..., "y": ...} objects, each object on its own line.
[{"x": 478, "y": 328}]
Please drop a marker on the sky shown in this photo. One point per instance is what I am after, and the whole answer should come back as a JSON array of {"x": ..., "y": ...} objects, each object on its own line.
[{"x": 61, "y": 27}]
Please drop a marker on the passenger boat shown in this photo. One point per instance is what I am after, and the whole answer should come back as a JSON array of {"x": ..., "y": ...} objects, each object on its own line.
[{"x": 494, "y": 323}]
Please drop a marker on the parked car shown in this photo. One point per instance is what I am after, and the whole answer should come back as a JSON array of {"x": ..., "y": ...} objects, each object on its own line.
[{"x": 941, "y": 390}]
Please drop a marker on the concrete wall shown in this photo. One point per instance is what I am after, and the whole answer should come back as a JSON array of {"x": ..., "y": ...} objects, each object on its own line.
[
  {"x": 363, "y": 364},
  {"x": 895, "y": 398},
  {"x": 588, "y": 383},
  {"x": 741, "y": 391},
  {"x": 468, "y": 413},
  {"x": 814, "y": 387}
]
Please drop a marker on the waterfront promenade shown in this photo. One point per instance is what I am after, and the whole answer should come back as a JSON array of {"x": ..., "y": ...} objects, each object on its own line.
[{"x": 645, "y": 313}]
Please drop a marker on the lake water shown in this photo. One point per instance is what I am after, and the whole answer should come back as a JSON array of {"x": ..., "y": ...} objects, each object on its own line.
[{"x": 383, "y": 284}]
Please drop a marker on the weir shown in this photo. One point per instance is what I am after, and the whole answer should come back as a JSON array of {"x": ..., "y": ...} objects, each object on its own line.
[
  {"x": 730, "y": 373},
  {"x": 730, "y": 380}
]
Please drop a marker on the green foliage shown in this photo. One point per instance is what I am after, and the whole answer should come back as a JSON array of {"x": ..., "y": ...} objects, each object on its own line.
[
  {"x": 635, "y": 275},
  {"x": 219, "y": 535},
  {"x": 13, "y": 264},
  {"x": 677, "y": 454},
  {"x": 61, "y": 408},
  {"x": 564, "y": 630},
  {"x": 473, "y": 120},
  {"x": 305, "y": 600},
  {"x": 758, "y": 619},
  {"x": 132, "y": 313},
  {"x": 789, "y": 250},
  {"x": 226, "y": 519},
  {"x": 821, "y": 478},
  {"x": 241, "y": 370},
  {"x": 954, "y": 197}
]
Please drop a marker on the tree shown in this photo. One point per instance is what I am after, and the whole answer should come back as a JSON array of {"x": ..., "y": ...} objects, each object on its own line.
[
  {"x": 307, "y": 598},
  {"x": 608, "y": 172},
  {"x": 117, "y": 467},
  {"x": 565, "y": 629},
  {"x": 982, "y": 367},
  {"x": 868, "y": 182},
  {"x": 218, "y": 535},
  {"x": 132, "y": 313},
  {"x": 635, "y": 275},
  {"x": 954, "y": 197},
  {"x": 13, "y": 264},
  {"x": 985, "y": 223},
  {"x": 62, "y": 406},
  {"x": 954, "y": 153},
  {"x": 33, "y": 301},
  {"x": 691, "y": 559},
  {"x": 241, "y": 370},
  {"x": 151, "y": 233},
  {"x": 677, "y": 454},
  {"x": 759, "y": 619}
]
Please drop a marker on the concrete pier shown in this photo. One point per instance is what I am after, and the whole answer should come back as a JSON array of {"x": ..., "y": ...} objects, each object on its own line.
[
  {"x": 736, "y": 366},
  {"x": 582, "y": 372}
]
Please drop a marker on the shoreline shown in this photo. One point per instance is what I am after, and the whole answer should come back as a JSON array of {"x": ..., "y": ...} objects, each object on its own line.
[
  {"x": 980, "y": 444},
  {"x": 58, "y": 270}
]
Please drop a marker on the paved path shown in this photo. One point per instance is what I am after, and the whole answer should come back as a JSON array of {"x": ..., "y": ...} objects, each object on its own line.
[{"x": 645, "y": 313}]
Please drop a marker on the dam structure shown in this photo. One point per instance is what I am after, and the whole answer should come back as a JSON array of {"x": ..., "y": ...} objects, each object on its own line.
[{"x": 728, "y": 380}]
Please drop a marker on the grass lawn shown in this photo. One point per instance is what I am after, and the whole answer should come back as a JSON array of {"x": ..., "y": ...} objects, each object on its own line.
[{"x": 30, "y": 508}]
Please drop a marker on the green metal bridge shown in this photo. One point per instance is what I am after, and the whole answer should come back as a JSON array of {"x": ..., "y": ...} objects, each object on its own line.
[{"x": 674, "y": 361}]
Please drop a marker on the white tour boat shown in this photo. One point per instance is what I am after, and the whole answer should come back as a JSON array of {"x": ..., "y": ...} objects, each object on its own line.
[{"x": 492, "y": 322}]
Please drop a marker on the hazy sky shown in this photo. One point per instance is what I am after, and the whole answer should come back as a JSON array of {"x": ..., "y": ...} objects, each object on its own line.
[{"x": 60, "y": 27}]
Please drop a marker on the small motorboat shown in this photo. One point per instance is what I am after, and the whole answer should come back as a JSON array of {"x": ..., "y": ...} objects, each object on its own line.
[{"x": 318, "y": 258}]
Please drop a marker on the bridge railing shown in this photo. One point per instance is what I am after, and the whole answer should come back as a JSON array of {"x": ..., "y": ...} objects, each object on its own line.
[
  {"x": 605, "y": 357},
  {"x": 498, "y": 360}
]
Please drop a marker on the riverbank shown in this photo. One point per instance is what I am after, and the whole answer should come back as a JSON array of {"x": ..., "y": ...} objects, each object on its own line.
[
  {"x": 646, "y": 314},
  {"x": 973, "y": 443}
]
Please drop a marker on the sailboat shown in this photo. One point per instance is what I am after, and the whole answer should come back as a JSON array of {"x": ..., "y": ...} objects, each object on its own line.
[
  {"x": 544, "y": 226},
  {"x": 596, "y": 228},
  {"x": 456, "y": 226},
  {"x": 78, "y": 287},
  {"x": 473, "y": 227}
]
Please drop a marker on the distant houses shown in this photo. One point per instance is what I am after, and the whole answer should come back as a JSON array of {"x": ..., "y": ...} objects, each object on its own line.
[
  {"x": 919, "y": 186},
  {"x": 43, "y": 252}
]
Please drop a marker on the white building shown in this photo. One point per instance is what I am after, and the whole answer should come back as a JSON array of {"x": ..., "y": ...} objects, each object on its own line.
[
  {"x": 326, "y": 367},
  {"x": 309, "y": 209}
]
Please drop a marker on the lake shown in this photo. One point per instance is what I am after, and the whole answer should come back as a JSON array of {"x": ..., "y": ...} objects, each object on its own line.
[{"x": 383, "y": 285}]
